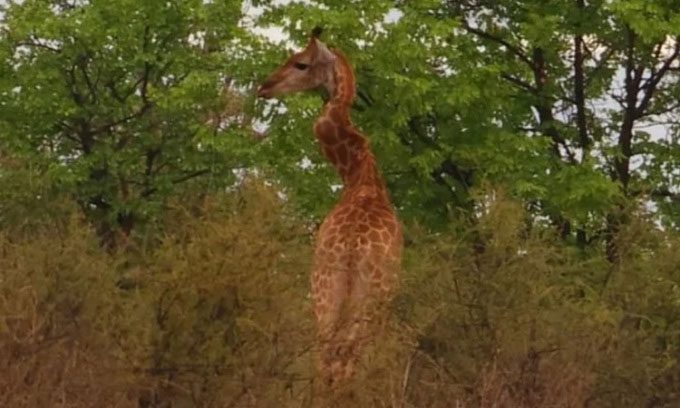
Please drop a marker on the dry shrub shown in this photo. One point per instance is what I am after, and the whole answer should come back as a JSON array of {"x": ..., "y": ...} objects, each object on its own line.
[
  {"x": 212, "y": 309},
  {"x": 507, "y": 317},
  {"x": 29, "y": 197},
  {"x": 495, "y": 322},
  {"x": 216, "y": 314},
  {"x": 232, "y": 317},
  {"x": 57, "y": 307},
  {"x": 643, "y": 290}
]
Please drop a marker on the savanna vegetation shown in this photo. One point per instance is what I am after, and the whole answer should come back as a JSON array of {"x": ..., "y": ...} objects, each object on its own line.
[{"x": 156, "y": 221}]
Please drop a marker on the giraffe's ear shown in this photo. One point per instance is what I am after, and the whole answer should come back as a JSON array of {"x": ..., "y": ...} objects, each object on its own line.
[{"x": 323, "y": 54}]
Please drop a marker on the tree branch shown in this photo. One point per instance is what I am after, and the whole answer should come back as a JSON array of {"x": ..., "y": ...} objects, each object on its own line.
[
  {"x": 138, "y": 113},
  {"x": 178, "y": 180},
  {"x": 142, "y": 83},
  {"x": 652, "y": 82},
  {"x": 665, "y": 193},
  {"x": 519, "y": 82},
  {"x": 579, "y": 90},
  {"x": 82, "y": 64},
  {"x": 73, "y": 86},
  {"x": 32, "y": 41},
  {"x": 599, "y": 64},
  {"x": 545, "y": 108},
  {"x": 633, "y": 72},
  {"x": 518, "y": 51}
]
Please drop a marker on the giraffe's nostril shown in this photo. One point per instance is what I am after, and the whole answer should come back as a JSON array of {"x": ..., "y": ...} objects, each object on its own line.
[{"x": 265, "y": 90}]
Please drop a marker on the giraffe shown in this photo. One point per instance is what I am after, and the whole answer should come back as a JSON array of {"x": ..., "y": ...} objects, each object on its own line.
[{"x": 358, "y": 246}]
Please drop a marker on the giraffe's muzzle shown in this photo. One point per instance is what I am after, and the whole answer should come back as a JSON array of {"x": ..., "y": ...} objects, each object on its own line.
[{"x": 265, "y": 90}]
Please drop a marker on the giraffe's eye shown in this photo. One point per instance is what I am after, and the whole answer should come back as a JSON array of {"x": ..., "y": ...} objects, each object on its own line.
[{"x": 301, "y": 66}]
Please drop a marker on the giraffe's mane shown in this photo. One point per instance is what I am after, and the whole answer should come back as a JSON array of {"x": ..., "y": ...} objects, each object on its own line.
[{"x": 349, "y": 79}]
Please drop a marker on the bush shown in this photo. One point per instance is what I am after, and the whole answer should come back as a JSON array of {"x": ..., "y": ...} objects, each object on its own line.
[
  {"x": 211, "y": 308},
  {"x": 216, "y": 313},
  {"x": 60, "y": 317}
]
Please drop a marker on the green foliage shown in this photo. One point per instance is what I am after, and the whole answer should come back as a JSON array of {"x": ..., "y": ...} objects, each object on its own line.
[
  {"x": 456, "y": 94},
  {"x": 118, "y": 105},
  {"x": 122, "y": 109},
  {"x": 579, "y": 191}
]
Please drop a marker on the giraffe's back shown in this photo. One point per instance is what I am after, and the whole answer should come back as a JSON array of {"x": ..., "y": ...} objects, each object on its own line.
[{"x": 361, "y": 241}]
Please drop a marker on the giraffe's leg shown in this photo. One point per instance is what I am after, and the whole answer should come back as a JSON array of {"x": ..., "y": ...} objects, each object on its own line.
[
  {"x": 329, "y": 292},
  {"x": 349, "y": 305},
  {"x": 362, "y": 315}
]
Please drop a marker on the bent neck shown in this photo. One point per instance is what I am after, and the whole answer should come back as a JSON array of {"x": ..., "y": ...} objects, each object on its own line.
[{"x": 342, "y": 144}]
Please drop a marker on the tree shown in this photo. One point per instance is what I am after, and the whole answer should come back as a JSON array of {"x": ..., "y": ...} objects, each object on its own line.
[
  {"x": 122, "y": 101},
  {"x": 552, "y": 99},
  {"x": 576, "y": 61}
]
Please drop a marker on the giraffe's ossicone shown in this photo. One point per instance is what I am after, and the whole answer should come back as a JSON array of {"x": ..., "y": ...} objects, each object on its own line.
[{"x": 358, "y": 247}]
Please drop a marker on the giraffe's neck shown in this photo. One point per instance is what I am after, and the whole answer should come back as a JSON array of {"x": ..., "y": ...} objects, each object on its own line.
[{"x": 344, "y": 146}]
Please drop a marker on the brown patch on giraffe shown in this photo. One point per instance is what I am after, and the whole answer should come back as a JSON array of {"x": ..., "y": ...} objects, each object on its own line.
[
  {"x": 339, "y": 219},
  {"x": 374, "y": 236},
  {"x": 336, "y": 116},
  {"x": 319, "y": 310},
  {"x": 328, "y": 244},
  {"x": 343, "y": 154},
  {"x": 344, "y": 169},
  {"x": 326, "y": 132},
  {"x": 330, "y": 154},
  {"x": 344, "y": 211},
  {"x": 331, "y": 257}
]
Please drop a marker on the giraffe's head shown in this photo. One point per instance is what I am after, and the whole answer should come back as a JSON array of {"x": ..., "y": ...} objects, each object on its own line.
[{"x": 307, "y": 69}]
